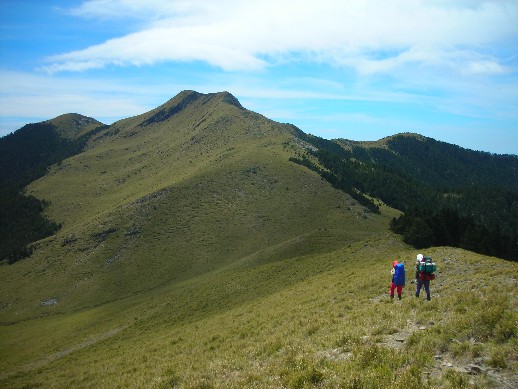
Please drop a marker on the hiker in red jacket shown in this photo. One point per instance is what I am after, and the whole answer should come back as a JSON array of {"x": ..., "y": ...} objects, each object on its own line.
[{"x": 398, "y": 279}]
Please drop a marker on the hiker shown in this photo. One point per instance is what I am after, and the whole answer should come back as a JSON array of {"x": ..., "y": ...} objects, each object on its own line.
[
  {"x": 398, "y": 279},
  {"x": 424, "y": 274}
]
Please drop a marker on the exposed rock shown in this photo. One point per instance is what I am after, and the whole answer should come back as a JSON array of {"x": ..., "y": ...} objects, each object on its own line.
[
  {"x": 474, "y": 369},
  {"x": 51, "y": 301}
]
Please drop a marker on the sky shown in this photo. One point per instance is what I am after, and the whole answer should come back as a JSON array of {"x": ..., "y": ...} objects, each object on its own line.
[{"x": 357, "y": 69}]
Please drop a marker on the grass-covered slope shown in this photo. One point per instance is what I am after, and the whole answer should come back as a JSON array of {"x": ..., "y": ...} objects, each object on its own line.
[
  {"x": 311, "y": 321},
  {"x": 193, "y": 186}
]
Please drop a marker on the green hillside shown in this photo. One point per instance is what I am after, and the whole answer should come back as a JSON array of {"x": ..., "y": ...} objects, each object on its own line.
[
  {"x": 450, "y": 196},
  {"x": 310, "y": 321},
  {"x": 195, "y": 185},
  {"x": 194, "y": 253}
]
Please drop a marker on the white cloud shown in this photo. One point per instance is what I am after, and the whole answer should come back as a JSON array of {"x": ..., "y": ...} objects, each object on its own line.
[
  {"x": 485, "y": 67},
  {"x": 367, "y": 35}
]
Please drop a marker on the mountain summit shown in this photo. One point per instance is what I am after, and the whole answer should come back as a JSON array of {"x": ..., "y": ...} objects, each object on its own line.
[{"x": 189, "y": 98}]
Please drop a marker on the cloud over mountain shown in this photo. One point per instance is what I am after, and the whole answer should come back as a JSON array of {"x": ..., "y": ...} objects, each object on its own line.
[{"x": 366, "y": 35}]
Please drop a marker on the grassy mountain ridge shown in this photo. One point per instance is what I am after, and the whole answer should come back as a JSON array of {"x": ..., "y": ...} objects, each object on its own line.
[
  {"x": 193, "y": 253},
  {"x": 154, "y": 201}
]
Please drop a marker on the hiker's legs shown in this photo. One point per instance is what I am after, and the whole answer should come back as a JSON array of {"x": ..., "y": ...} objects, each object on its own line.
[
  {"x": 392, "y": 287},
  {"x": 399, "y": 291},
  {"x": 418, "y": 286},
  {"x": 427, "y": 289}
]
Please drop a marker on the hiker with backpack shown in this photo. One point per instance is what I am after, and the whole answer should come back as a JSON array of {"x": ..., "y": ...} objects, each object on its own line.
[
  {"x": 398, "y": 279},
  {"x": 425, "y": 269}
]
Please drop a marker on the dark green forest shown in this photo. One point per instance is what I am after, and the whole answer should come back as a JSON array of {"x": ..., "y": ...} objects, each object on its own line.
[
  {"x": 24, "y": 157},
  {"x": 450, "y": 196}
]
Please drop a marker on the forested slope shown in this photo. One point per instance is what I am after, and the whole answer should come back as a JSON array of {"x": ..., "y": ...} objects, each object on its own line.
[
  {"x": 450, "y": 196},
  {"x": 25, "y": 156}
]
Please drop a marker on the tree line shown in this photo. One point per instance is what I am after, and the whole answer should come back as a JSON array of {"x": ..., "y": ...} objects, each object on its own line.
[
  {"x": 445, "y": 227},
  {"x": 449, "y": 195}
]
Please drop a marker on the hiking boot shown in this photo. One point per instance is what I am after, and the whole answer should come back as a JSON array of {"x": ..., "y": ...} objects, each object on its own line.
[{"x": 399, "y": 297}]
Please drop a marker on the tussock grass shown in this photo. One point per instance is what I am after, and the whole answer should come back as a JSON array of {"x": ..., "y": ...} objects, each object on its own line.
[{"x": 315, "y": 321}]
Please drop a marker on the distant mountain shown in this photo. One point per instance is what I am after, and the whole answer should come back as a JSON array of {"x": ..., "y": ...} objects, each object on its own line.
[
  {"x": 440, "y": 164},
  {"x": 25, "y": 156},
  {"x": 451, "y": 196}
]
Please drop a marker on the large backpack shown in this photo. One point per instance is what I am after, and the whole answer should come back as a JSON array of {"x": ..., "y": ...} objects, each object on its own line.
[
  {"x": 427, "y": 266},
  {"x": 399, "y": 274}
]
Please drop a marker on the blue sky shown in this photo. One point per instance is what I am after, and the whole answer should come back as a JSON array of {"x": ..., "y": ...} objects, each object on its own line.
[{"x": 358, "y": 69}]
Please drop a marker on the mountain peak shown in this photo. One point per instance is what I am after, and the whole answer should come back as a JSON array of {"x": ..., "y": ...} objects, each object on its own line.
[
  {"x": 191, "y": 95},
  {"x": 72, "y": 125},
  {"x": 188, "y": 98},
  {"x": 229, "y": 98}
]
